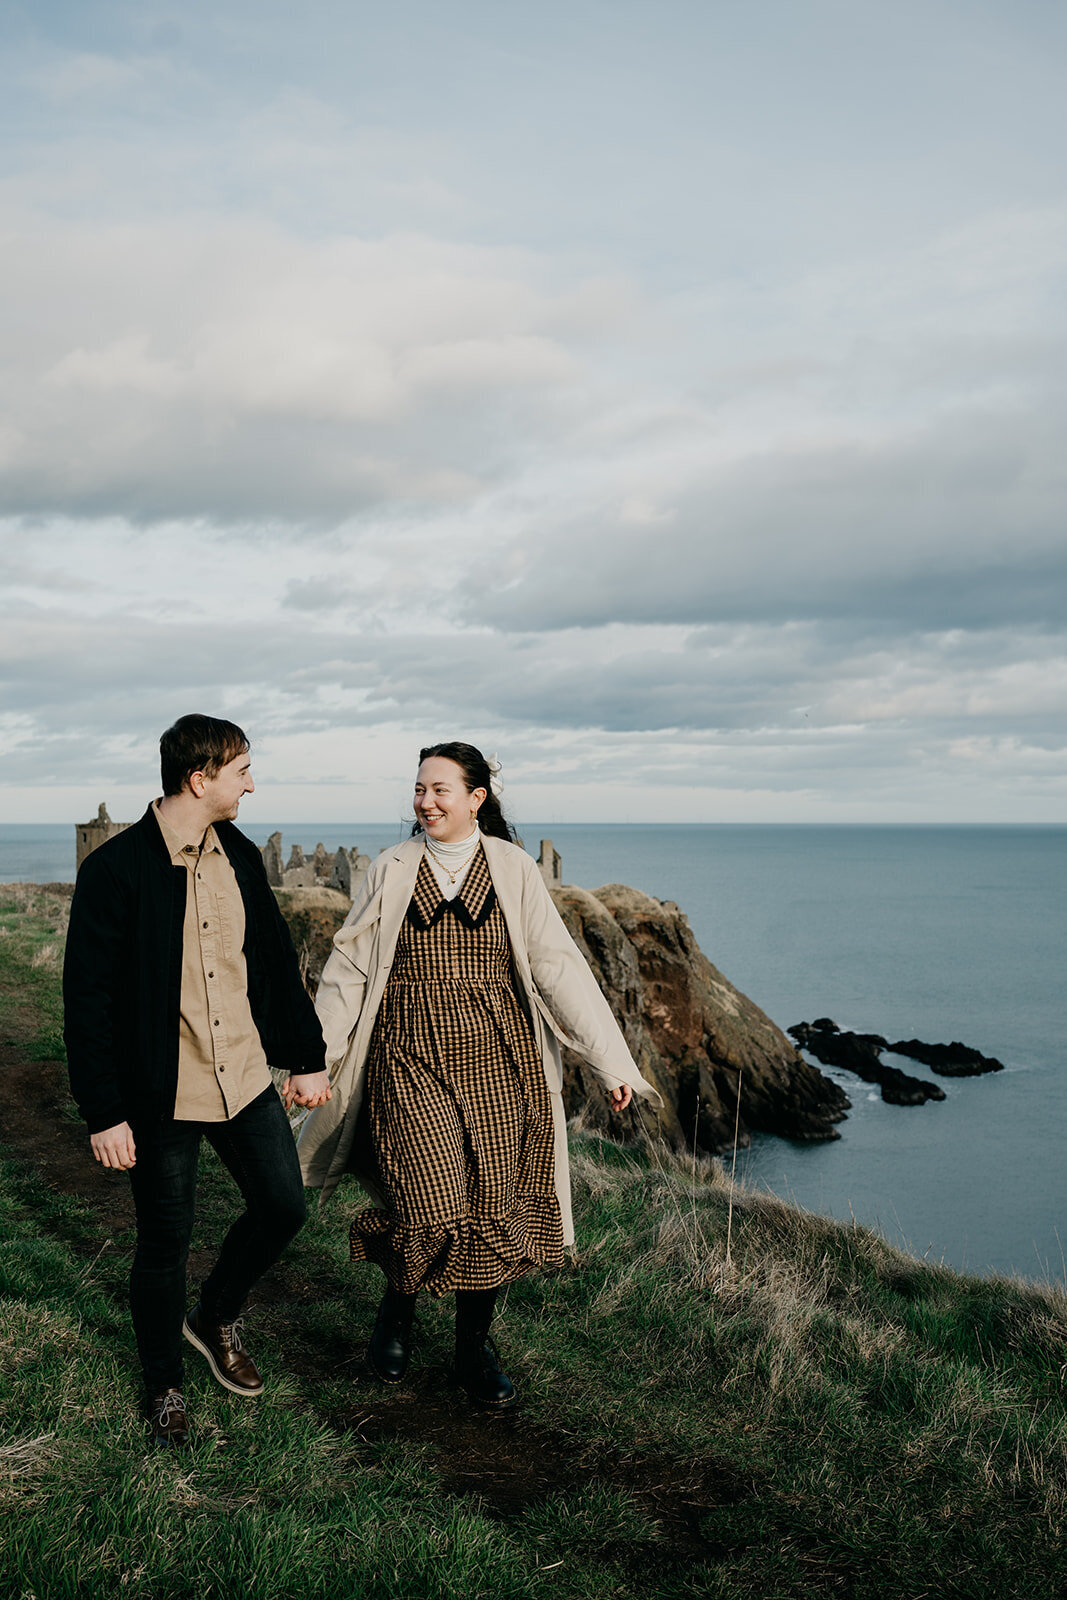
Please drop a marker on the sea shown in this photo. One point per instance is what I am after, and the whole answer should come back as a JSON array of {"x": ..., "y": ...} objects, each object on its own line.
[{"x": 936, "y": 933}]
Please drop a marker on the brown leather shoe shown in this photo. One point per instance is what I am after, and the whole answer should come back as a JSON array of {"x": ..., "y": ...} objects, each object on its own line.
[
  {"x": 168, "y": 1426},
  {"x": 226, "y": 1355}
]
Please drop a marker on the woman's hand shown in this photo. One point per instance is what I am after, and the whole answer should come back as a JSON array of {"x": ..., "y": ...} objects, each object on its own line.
[
  {"x": 308, "y": 1089},
  {"x": 620, "y": 1098}
]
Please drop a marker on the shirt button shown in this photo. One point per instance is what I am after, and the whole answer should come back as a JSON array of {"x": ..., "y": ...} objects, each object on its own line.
[
  {"x": 222, "y": 1069},
  {"x": 211, "y": 974},
  {"x": 205, "y": 924}
]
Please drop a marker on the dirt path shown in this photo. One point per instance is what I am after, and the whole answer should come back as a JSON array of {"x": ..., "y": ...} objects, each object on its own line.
[
  {"x": 37, "y": 1125},
  {"x": 505, "y": 1462}
]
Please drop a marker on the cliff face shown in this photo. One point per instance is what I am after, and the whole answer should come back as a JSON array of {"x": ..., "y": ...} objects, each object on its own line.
[
  {"x": 691, "y": 1032},
  {"x": 313, "y": 916}
]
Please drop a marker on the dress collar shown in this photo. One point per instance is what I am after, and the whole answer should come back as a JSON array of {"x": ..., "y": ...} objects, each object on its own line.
[{"x": 473, "y": 903}]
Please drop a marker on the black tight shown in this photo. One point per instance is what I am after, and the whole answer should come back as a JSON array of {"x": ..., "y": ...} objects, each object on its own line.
[
  {"x": 474, "y": 1308},
  {"x": 398, "y": 1308}
]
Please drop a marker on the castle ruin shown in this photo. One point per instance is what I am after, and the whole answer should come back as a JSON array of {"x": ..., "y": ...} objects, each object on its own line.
[
  {"x": 344, "y": 870},
  {"x": 88, "y": 835},
  {"x": 551, "y": 863},
  {"x": 341, "y": 869},
  {"x": 347, "y": 868}
]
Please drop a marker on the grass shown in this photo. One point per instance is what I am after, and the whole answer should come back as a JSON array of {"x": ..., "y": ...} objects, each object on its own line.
[
  {"x": 814, "y": 1414},
  {"x": 33, "y": 927}
]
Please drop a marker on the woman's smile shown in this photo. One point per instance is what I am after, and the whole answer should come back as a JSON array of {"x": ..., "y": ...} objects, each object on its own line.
[{"x": 446, "y": 808}]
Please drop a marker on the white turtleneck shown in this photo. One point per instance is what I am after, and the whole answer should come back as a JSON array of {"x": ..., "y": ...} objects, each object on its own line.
[{"x": 450, "y": 861}]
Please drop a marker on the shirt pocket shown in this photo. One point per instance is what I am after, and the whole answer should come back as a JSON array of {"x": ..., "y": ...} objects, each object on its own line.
[{"x": 225, "y": 923}]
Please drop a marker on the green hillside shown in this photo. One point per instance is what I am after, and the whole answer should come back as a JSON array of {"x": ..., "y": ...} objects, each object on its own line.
[{"x": 722, "y": 1396}]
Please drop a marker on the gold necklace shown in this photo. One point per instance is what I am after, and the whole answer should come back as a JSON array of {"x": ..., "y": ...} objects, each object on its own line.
[{"x": 449, "y": 874}]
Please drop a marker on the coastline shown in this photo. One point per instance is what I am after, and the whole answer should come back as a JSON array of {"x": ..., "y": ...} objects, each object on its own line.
[{"x": 935, "y": 933}]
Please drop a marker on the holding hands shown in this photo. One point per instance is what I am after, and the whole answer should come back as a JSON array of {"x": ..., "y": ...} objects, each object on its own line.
[
  {"x": 115, "y": 1147},
  {"x": 307, "y": 1089}
]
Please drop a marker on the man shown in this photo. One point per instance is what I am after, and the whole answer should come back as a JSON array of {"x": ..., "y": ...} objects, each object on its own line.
[{"x": 181, "y": 991}]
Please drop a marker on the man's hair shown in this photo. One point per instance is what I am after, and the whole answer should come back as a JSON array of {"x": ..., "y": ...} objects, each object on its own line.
[{"x": 197, "y": 744}]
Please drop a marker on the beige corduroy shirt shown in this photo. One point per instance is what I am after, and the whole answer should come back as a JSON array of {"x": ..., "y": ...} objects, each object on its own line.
[{"x": 221, "y": 1063}]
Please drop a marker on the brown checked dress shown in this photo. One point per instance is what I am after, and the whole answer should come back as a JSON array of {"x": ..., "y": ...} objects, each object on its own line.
[{"x": 457, "y": 1105}]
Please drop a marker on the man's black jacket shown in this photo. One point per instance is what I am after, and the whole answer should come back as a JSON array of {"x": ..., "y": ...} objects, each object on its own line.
[{"x": 123, "y": 974}]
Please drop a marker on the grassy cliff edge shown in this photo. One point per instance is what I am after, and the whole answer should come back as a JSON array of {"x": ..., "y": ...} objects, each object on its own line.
[{"x": 723, "y": 1396}]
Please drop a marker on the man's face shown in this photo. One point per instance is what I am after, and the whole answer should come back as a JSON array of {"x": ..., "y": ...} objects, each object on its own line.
[{"x": 223, "y": 793}]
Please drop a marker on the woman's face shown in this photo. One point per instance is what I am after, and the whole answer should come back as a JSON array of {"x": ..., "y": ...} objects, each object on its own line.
[{"x": 447, "y": 809}]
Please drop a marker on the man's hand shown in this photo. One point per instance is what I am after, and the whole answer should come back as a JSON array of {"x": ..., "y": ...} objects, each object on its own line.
[
  {"x": 308, "y": 1089},
  {"x": 621, "y": 1097},
  {"x": 114, "y": 1147}
]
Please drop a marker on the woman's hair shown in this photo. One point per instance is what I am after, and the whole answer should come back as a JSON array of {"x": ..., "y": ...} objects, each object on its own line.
[
  {"x": 198, "y": 744},
  {"x": 476, "y": 775}
]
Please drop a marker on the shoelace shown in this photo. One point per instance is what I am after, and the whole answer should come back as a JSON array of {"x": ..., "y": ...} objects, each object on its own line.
[
  {"x": 487, "y": 1357},
  {"x": 172, "y": 1403},
  {"x": 230, "y": 1333}
]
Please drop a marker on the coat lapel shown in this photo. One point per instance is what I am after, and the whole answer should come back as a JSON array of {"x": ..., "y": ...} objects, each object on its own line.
[
  {"x": 506, "y": 872},
  {"x": 397, "y": 890}
]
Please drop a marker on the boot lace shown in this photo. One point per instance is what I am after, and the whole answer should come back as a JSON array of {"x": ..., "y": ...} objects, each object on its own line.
[
  {"x": 172, "y": 1404},
  {"x": 489, "y": 1355}
]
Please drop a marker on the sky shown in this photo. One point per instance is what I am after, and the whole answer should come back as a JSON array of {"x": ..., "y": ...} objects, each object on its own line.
[{"x": 667, "y": 395}]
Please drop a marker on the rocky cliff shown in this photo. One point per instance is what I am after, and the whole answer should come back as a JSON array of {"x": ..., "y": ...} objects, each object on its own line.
[
  {"x": 314, "y": 916},
  {"x": 691, "y": 1032}
]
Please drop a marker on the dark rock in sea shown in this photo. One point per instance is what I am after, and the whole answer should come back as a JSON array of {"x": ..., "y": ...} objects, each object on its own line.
[
  {"x": 691, "y": 1032},
  {"x": 861, "y": 1053},
  {"x": 953, "y": 1060}
]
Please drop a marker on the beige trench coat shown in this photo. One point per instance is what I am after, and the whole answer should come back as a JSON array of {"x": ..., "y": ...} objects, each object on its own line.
[{"x": 559, "y": 994}]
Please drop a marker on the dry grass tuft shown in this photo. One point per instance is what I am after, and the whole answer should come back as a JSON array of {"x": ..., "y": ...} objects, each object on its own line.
[
  {"x": 810, "y": 1306},
  {"x": 38, "y": 901},
  {"x": 25, "y": 1457}
]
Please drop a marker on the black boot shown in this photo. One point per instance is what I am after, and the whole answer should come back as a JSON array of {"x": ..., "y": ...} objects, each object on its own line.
[
  {"x": 478, "y": 1369},
  {"x": 390, "y": 1342}
]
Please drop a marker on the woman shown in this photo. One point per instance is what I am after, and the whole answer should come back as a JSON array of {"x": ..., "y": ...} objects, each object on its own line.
[{"x": 443, "y": 1003}]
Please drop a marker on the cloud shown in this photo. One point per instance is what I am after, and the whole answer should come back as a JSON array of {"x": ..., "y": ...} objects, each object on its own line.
[
  {"x": 956, "y": 525},
  {"x": 703, "y": 437},
  {"x": 899, "y": 457},
  {"x": 230, "y": 370},
  {"x": 298, "y": 665},
  {"x": 83, "y": 81},
  {"x": 319, "y": 594},
  {"x": 88, "y": 75}
]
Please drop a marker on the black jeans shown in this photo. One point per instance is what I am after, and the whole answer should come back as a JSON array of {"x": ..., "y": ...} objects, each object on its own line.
[{"x": 258, "y": 1150}]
